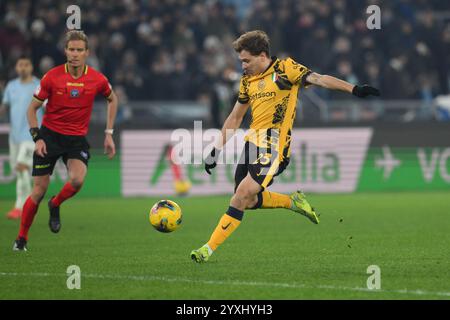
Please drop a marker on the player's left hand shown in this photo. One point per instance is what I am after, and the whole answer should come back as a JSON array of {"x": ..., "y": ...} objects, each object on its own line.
[
  {"x": 110, "y": 147},
  {"x": 211, "y": 160},
  {"x": 364, "y": 91}
]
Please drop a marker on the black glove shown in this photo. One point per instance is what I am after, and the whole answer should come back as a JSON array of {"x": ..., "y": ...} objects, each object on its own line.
[
  {"x": 211, "y": 160},
  {"x": 364, "y": 91}
]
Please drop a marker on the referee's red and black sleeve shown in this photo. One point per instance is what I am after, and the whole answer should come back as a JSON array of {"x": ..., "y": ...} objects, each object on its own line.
[
  {"x": 105, "y": 87},
  {"x": 43, "y": 90}
]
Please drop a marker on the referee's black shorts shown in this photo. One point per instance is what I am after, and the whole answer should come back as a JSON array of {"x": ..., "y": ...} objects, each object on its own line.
[{"x": 59, "y": 145}]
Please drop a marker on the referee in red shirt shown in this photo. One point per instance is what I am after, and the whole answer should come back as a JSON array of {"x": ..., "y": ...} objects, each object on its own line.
[{"x": 70, "y": 89}]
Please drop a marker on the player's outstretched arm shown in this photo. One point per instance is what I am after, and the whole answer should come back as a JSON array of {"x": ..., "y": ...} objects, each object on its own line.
[
  {"x": 332, "y": 83},
  {"x": 230, "y": 125},
  {"x": 110, "y": 147}
]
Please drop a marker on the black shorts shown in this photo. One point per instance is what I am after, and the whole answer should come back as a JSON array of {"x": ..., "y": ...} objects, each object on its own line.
[
  {"x": 59, "y": 145},
  {"x": 262, "y": 164}
]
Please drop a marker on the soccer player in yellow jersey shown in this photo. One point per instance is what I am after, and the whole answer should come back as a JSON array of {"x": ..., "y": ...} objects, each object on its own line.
[{"x": 269, "y": 86}]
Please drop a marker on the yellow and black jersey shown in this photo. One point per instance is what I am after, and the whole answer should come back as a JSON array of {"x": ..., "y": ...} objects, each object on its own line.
[{"x": 272, "y": 96}]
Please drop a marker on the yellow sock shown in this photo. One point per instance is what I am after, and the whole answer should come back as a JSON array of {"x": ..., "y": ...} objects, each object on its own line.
[
  {"x": 224, "y": 229},
  {"x": 275, "y": 200}
]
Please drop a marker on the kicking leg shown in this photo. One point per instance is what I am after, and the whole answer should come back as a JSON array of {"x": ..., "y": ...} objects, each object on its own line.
[
  {"x": 269, "y": 200},
  {"x": 302, "y": 206},
  {"x": 296, "y": 202}
]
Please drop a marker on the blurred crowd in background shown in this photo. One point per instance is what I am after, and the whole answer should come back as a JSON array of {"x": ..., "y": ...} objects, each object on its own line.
[{"x": 181, "y": 49}]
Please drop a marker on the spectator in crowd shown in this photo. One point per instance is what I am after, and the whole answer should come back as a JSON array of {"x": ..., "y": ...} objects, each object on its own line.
[{"x": 170, "y": 46}]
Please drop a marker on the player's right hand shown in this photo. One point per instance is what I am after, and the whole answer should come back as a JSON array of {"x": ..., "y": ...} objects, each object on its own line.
[
  {"x": 40, "y": 148},
  {"x": 364, "y": 91},
  {"x": 211, "y": 160}
]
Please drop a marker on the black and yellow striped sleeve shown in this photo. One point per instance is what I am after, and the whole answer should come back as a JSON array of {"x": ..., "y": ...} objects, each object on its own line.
[
  {"x": 243, "y": 96},
  {"x": 297, "y": 73}
]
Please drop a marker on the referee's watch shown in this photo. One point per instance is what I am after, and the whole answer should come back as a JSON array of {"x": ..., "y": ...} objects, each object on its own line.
[
  {"x": 35, "y": 134},
  {"x": 109, "y": 131}
]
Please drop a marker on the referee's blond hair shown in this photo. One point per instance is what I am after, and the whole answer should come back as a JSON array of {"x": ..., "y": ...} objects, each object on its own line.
[{"x": 76, "y": 35}]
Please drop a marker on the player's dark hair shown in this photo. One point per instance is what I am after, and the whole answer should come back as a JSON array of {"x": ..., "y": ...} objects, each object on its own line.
[
  {"x": 76, "y": 35},
  {"x": 255, "y": 42},
  {"x": 24, "y": 57}
]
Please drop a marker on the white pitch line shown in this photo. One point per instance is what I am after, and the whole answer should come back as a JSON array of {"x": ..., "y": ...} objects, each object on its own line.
[{"x": 234, "y": 283}]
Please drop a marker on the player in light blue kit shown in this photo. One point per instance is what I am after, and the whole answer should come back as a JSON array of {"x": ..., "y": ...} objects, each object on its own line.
[{"x": 17, "y": 98}]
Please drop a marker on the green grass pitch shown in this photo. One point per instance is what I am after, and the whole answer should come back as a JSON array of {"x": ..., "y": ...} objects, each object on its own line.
[{"x": 274, "y": 254}]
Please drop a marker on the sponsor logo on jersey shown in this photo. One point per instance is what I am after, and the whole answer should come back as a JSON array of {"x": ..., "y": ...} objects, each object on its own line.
[
  {"x": 260, "y": 95},
  {"x": 42, "y": 166},
  {"x": 75, "y": 84}
]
